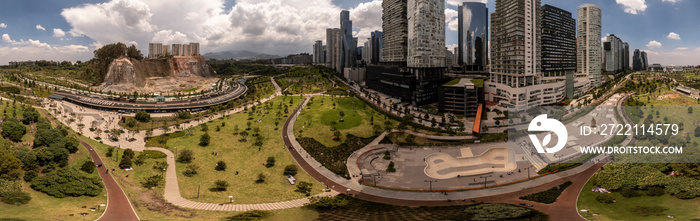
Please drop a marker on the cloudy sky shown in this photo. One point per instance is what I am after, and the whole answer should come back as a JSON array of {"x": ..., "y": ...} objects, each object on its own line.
[{"x": 71, "y": 30}]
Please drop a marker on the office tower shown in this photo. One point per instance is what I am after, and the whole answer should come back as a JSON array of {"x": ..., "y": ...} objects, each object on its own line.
[
  {"x": 194, "y": 49},
  {"x": 376, "y": 44},
  {"x": 473, "y": 32},
  {"x": 318, "y": 52},
  {"x": 626, "y": 58},
  {"x": 645, "y": 61},
  {"x": 348, "y": 43},
  {"x": 395, "y": 27},
  {"x": 589, "y": 55},
  {"x": 448, "y": 57},
  {"x": 426, "y": 33},
  {"x": 333, "y": 49},
  {"x": 637, "y": 64},
  {"x": 614, "y": 54},
  {"x": 558, "y": 41}
]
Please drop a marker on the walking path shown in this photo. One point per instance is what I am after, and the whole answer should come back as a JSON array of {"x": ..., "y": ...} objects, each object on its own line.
[
  {"x": 118, "y": 205},
  {"x": 172, "y": 194}
]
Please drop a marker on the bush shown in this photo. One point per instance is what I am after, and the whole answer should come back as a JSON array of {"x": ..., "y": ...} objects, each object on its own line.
[
  {"x": 110, "y": 150},
  {"x": 270, "y": 162},
  {"x": 125, "y": 162},
  {"x": 290, "y": 170},
  {"x": 152, "y": 181},
  {"x": 15, "y": 197},
  {"x": 220, "y": 185},
  {"x": 304, "y": 187},
  {"x": 185, "y": 156},
  {"x": 130, "y": 122},
  {"x": 160, "y": 165},
  {"x": 261, "y": 178},
  {"x": 629, "y": 192},
  {"x": 154, "y": 154},
  {"x": 143, "y": 116},
  {"x": 64, "y": 182},
  {"x": 88, "y": 167},
  {"x": 648, "y": 210},
  {"x": 204, "y": 140},
  {"x": 490, "y": 211},
  {"x": 333, "y": 157},
  {"x": 191, "y": 170},
  {"x": 184, "y": 115},
  {"x": 327, "y": 202},
  {"x": 391, "y": 167},
  {"x": 655, "y": 191},
  {"x": 605, "y": 198},
  {"x": 250, "y": 215},
  {"x": 220, "y": 166},
  {"x": 30, "y": 175},
  {"x": 548, "y": 196},
  {"x": 140, "y": 159}
]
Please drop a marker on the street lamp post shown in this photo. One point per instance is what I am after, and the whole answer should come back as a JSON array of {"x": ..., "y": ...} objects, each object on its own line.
[
  {"x": 528, "y": 172},
  {"x": 431, "y": 184},
  {"x": 230, "y": 199},
  {"x": 175, "y": 152},
  {"x": 485, "y": 177},
  {"x": 161, "y": 172}
]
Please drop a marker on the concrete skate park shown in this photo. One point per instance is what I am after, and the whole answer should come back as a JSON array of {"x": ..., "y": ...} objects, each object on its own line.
[{"x": 444, "y": 168}]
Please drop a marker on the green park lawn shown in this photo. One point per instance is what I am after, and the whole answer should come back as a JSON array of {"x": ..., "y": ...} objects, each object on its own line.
[
  {"x": 243, "y": 157},
  {"x": 621, "y": 209},
  {"x": 667, "y": 98},
  {"x": 306, "y": 84},
  {"x": 316, "y": 119}
]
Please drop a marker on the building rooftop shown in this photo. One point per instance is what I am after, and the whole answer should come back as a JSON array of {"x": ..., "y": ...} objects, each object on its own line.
[{"x": 461, "y": 82}]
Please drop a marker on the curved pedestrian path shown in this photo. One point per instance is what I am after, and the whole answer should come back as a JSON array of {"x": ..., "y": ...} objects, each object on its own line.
[{"x": 172, "y": 194}]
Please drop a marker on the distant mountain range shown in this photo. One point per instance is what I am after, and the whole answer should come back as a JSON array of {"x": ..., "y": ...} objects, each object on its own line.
[{"x": 238, "y": 55}]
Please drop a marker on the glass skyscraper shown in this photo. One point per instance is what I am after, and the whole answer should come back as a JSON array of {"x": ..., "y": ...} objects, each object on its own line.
[{"x": 473, "y": 36}]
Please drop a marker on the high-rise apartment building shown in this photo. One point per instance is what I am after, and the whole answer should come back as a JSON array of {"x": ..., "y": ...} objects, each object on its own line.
[
  {"x": 395, "y": 27},
  {"x": 473, "y": 46},
  {"x": 318, "y": 52},
  {"x": 426, "y": 34},
  {"x": 186, "y": 50},
  {"x": 166, "y": 50},
  {"x": 589, "y": 55},
  {"x": 626, "y": 58},
  {"x": 558, "y": 41},
  {"x": 194, "y": 49},
  {"x": 155, "y": 50},
  {"x": 333, "y": 49},
  {"x": 176, "y": 50}
]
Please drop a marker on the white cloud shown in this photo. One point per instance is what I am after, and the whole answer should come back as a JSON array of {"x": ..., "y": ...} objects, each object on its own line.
[
  {"x": 57, "y": 32},
  {"x": 452, "y": 47},
  {"x": 459, "y": 2},
  {"x": 674, "y": 36},
  {"x": 38, "y": 27},
  {"x": 654, "y": 44},
  {"x": 633, "y": 6},
  {"x": 367, "y": 17},
  {"x": 452, "y": 19},
  {"x": 3, "y": 25},
  {"x": 111, "y": 22},
  {"x": 682, "y": 49},
  {"x": 6, "y": 38},
  {"x": 168, "y": 37},
  {"x": 671, "y": 1}
]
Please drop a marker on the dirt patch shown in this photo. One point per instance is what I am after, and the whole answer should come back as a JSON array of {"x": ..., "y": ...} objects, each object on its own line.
[{"x": 154, "y": 202}]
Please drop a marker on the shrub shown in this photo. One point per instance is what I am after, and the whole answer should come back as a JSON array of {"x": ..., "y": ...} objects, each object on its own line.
[
  {"x": 184, "y": 115},
  {"x": 629, "y": 192},
  {"x": 250, "y": 215},
  {"x": 160, "y": 165},
  {"x": 204, "y": 140},
  {"x": 605, "y": 198},
  {"x": 15, "y": 197},
  {"x": 109, "y": 151},
  {"x": 205, "y": 128},
  {"x": 154, "y": 154},
  {"x": 261, "y": 178},
  {"x": 655, "y": 191},
  {"x": 290, "y": 170},
  {"x": 152, "y": 181},
  {"x": 548, "y": 196},
  {"x": 391, "y": 167},
  {"x": 140, "y": 159},
  {"x": 304, "y": 187},
  {"x": 220, "y": 166},
  {"x": 64, "y": 182},
  {"x": 30, "y": 175},
  {"x": 648, "y": 210},
  {"x": 143, "y": 116},
  {"x": 220, "y": 185},
  {"x": 185, "y": 156},
  {"x": 88, "y": 167},
  {"x": 327, "y": 202},
  {"x": 270, "y": 162},
  {"x": 191, "y": 170},
  {"x": 130, "y": 122},
  {"x": 125, "y": 162}
]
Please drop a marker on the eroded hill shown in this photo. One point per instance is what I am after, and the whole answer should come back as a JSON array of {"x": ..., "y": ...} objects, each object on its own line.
[{"x": 184, "y": 74}]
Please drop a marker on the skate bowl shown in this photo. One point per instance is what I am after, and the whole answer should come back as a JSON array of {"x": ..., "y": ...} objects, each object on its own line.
[{"x": 444, "y": 166}]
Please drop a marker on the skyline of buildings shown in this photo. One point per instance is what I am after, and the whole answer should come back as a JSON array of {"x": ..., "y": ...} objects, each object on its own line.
[{"x": 158, "y": 50}]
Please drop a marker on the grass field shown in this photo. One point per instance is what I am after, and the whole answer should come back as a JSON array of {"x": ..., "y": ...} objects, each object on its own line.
[
  {"x": 305, "y": 85},
  {"x": 620, "y": 210},
  {"x": 666, "y": 97},
  {"x": 316, "y": 119},
  {"x": 243, "y": 157}
]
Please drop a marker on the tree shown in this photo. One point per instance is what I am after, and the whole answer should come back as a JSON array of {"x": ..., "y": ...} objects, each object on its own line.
[
  {"x": 88, "y": 167},
  {"x": 204, "y": 140},
  {"x": 410, "y": 138},
  {"x": 152, "y": 181},
  {"x": 134, "y": 53},
  {"x": 185, "y": 156},
  {"x": 205, "y": 127},
  {"x": 30, "y": 116},
  {"x": 304, "y": 187},
  {"x": 64, "y": 182},
  {"x": 11, "y": 128},
  {"x": 290, "y": 170},
  {"x": 191, "y": 170},
  {"x": 10, "y": 166},
  {"x": 261, "y": 178},
  {"x": 125, "y": 162},
  {"x": 220, "y": 185},
  {"x": 143, "y": 116},
  {"x": 270, "y": 162},
  {"x": 220, "y": 166}
]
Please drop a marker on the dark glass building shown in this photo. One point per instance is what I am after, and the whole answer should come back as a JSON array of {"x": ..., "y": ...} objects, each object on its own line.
[
  {"x": 473, "y": 36},
  {"x": 558, "y": 41},
  {"x": 394, "y": 81}
]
